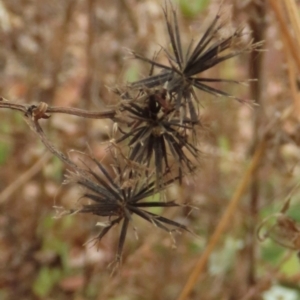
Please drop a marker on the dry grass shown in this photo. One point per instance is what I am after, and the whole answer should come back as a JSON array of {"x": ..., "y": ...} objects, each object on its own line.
[{"x": 66, "y": 53}]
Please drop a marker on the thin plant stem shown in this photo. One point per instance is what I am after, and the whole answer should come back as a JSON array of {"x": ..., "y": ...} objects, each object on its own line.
[
  {"x": 35, "y": 126},
  {"x": 82, "y": 113},
  {"x": 25, "y": 177},
  {"x": 60, "y": 39},
  {"x": 293, "y": 14},
  {"x": 224, "y": 222},
  {"x": 292, "y": 76},
  {"x": 109, "y": 114},
  {"x": 288, "y": 39},
  {"x": 257, "y": 25}
]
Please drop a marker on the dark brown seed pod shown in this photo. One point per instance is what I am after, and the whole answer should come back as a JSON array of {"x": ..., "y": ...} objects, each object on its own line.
[{"x": 119, "y": 198}]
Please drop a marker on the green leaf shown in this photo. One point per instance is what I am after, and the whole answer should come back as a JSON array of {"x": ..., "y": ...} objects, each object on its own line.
[
  {"x": 291, "y": 267},
  {"x": 224, "y": 143},
  {"x": 271, "y": 252},
  {"x": 5, "y": 149},
  {"x": 47, "y": 223},
  {"x": 293, "y": 213},
  {"x": 58, "y": 246},
  {"x": 190, "y": 8},
  {"x": 45, "y": 281},
  {"x": 57, "y": 169},
  {"x": 131, "y": 73}
]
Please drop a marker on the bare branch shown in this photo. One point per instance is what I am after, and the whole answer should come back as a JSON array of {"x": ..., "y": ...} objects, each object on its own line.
[{"x": 108, "y": 114}]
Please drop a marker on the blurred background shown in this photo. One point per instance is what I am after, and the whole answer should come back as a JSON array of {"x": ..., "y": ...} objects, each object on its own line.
[{"x": 70, "y": 53}]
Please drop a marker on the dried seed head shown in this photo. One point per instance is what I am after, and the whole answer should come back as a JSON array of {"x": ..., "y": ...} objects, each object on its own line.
[
  {"x": 157, "y": 134},
  {"x": 182, "y": 74},
  {"x": 119, "y": 198}
]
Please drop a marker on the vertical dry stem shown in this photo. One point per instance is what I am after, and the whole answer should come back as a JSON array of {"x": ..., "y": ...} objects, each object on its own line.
[
  {"x": 288, "y": 39},
  {"x": 224, "y": 222},
  {"x": 257, "y": 25}
]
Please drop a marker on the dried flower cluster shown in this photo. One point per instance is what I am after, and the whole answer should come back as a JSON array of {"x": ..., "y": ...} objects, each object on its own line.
[
  {"x": 122, "y": 196},
  {"x": 155, "y": 142},
  {"x": 157, "y": 119}
]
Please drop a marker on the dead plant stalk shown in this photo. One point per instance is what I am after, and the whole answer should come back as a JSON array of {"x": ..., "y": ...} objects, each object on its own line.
[{"x": 224, "y": 222}]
